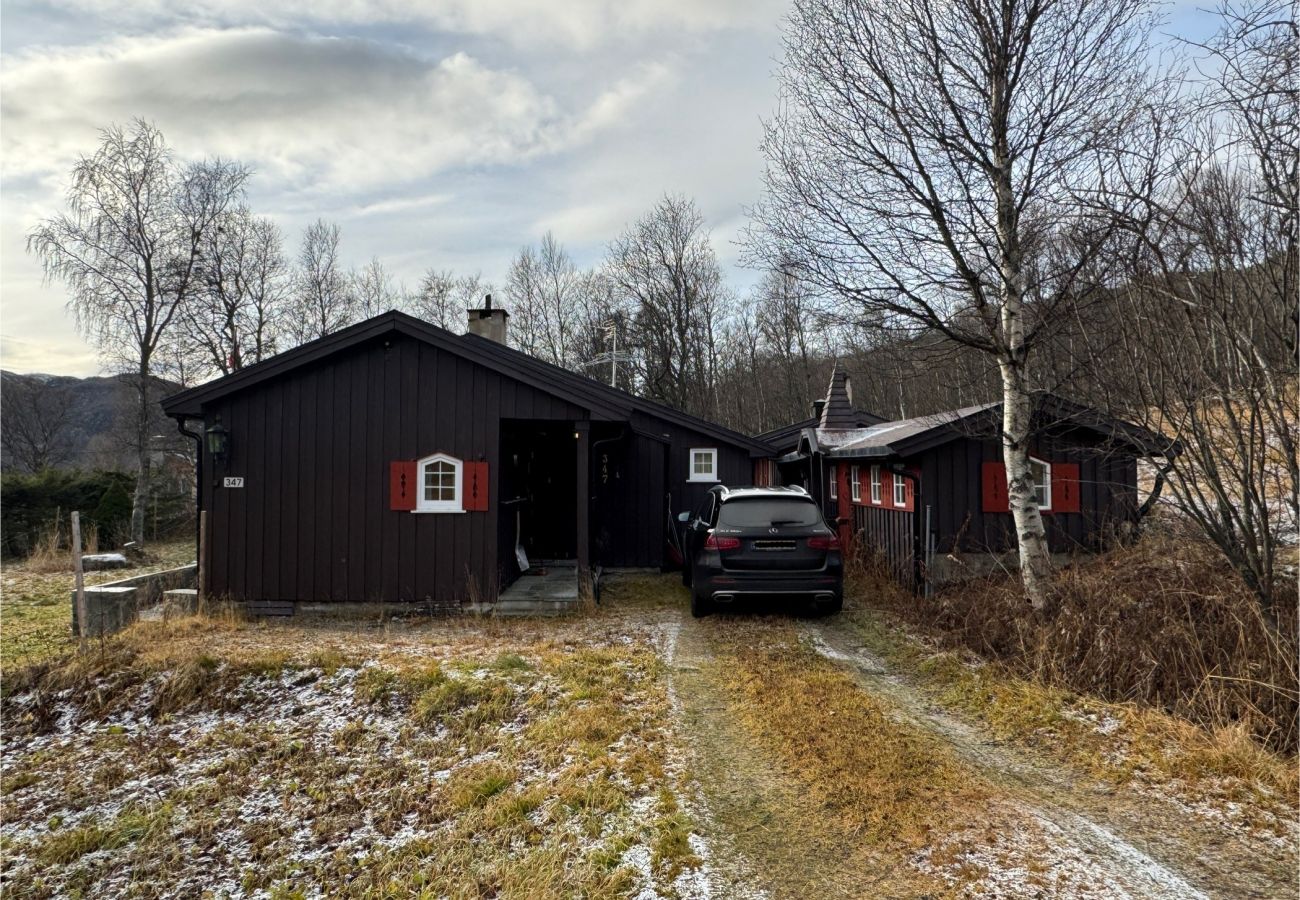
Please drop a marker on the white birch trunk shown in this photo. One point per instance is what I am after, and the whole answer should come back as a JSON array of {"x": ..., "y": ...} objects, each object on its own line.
[{"x": 1031, "y": 536}]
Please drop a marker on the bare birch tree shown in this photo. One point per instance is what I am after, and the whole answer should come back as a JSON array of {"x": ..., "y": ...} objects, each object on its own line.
[
  {"x": 374, "y": 290},
  {"x": 443, "y": 298},
  {"x": 544, "y": 294},
  {"x": 238, "y": 311},
  {"x": 926, "y": 158},
  {"x": 666, "y": 267},
  {"x": 786, "y": 319},
  {"x": 130, "y": 250},
  {"x": 322, "y": 301}
]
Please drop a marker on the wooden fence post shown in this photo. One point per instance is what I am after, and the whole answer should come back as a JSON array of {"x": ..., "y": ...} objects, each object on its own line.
[{"x": 79, "y": 577}]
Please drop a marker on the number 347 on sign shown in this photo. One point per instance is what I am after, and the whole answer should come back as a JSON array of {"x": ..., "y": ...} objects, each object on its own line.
[{"x": 233, "y": 481}]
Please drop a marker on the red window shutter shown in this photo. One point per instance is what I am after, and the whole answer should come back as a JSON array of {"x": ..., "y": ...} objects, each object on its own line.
[
  {"x": 911, "y": 487},
  {"x": 993, "y": 484},
  {"x": 401, "y": 484},
  {"x": 1065, "y": 487},
  {"x": 474, "y": 491}
]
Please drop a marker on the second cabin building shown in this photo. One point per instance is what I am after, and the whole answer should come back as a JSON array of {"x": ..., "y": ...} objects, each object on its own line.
[{"x": 929, "y": 494}]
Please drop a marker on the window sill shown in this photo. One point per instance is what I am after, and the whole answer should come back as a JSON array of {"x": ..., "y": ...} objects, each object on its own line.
[
  {"x": 444, "y": 512},
  {"x": 701, "y": 479}
]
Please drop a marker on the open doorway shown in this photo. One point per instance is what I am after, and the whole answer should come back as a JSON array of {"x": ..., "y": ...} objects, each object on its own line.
[{"x": 538, "y": 490}]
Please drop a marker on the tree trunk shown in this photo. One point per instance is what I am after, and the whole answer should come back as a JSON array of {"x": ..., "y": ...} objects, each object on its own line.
[
  {"x": 1031, "y": 536},
  {"x": 141, "y": 499}
]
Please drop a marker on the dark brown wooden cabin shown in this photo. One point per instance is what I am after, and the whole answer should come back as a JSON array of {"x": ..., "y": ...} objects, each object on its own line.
[
  {"x": 929, "y": 494},
  {"x": 395, "y": 461}
]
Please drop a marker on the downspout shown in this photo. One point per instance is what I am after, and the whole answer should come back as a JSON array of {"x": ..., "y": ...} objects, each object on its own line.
[{"x": 198, "y": 482}]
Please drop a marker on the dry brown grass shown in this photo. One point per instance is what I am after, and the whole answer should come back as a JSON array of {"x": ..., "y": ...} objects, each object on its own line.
[
  {"x": 891, "y": 783},
  {"x": 481, "y": 758},
  {"x": 1160, "y": 638},
  {"x": 51, "y": 553}
]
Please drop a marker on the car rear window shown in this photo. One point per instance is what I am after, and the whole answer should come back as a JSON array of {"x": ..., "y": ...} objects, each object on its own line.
[{"x": 754, "y": 511}]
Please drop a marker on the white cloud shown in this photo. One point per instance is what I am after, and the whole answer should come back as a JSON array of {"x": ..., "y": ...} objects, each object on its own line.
[
  {"x": 319, "y": 113},
  {"x": 571, "y": 24},
  {"x": 428, "y": 148}
]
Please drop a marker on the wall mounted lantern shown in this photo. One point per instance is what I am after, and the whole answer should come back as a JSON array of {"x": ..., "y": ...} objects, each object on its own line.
[{"x": 218, "y": 441}]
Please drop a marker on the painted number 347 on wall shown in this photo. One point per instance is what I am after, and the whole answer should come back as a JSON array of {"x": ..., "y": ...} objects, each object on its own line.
[{"x": 233, "y": 481}]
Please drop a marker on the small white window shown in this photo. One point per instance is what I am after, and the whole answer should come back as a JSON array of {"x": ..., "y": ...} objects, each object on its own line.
[
  {"x": 900, "y": 490},
  {"x": 835, "y": 482},
  {"x": 704, "y": 464},
  {"x": 439, "y": 480},
  {"x": 855, "y": 483},
  {"x": 875, "y": 485},
  {"x": 1042, "y": 474}
]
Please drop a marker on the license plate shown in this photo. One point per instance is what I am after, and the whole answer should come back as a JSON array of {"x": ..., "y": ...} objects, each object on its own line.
[{"x": 773, "y": 545}]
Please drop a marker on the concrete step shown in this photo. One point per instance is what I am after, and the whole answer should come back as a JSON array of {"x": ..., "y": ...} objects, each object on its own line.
[{"x": 532, "y": 607}]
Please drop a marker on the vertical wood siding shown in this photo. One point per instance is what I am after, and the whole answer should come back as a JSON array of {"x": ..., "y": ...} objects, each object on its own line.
[
  {"x": 951, "y": 483},
  {"x": 313, "y": 522}
]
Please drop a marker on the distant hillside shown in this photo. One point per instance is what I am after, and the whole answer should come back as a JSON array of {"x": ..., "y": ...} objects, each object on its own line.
[{"x": 79, "y": 422}]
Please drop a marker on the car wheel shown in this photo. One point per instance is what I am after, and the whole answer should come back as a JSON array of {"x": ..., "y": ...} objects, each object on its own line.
[
  {"x": 700, "y": 605},
  {"x": 686, "y": 574},
  {"x": 831, "y": 608}
]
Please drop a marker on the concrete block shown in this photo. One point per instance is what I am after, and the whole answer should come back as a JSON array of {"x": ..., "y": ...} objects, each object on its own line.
[
  {"x": 95, "y": 562},
  {"x": 109, "y": 608},
  {"x": 180, "y": 602}
]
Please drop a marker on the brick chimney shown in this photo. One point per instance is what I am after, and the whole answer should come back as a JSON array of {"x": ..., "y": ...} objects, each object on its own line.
[{"x": 488, "y": 322}]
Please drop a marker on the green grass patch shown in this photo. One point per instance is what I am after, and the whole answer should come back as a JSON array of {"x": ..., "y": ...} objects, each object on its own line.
[{"x": 132, "y": 825}]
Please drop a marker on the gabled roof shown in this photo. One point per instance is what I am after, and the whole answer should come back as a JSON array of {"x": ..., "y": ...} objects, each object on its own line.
[
  {"x": 603, "y": 402},
  {"x": 487, "y": 349},
  {"x": 788, "y": 435},
  {"x": 908, "y": 436}
]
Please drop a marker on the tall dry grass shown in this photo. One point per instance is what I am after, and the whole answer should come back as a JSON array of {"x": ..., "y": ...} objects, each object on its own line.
[
  {"x": 1164, "y": 622},
  {"x": 52, "y": 552}
]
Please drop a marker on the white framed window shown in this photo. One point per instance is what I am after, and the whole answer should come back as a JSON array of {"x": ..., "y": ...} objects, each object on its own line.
[
  {"x": 439, "y": 478},
  {"x": 835, "y": 482},
  {"x": 704, "y": 464},
  {"x": 855, "y": 483},
  {"x": 1042, "y": 474},
  {"x": 875, "y": 485},
  {"x": 900, "y": 490}
]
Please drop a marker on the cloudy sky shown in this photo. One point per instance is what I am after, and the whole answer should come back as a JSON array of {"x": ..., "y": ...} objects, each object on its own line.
[{"x": 441, "y": 133}]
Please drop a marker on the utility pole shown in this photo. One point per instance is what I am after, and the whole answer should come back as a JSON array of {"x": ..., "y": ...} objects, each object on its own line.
[{"x": 611, "y": 331}]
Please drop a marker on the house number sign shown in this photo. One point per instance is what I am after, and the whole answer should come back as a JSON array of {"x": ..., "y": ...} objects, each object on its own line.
[{"x": 233, "y": 481}]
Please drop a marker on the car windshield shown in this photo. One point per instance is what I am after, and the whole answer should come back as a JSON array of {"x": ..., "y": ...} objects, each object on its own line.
[{"x": 765, "y": 511}]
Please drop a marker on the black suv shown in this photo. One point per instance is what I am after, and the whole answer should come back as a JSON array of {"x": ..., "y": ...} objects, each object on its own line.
[{"x": 774, "y": 541}]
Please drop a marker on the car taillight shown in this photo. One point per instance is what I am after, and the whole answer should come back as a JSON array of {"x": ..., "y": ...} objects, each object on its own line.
[
  {"x": 823, "y": 543},
  {"x": 721, "y": 543}
]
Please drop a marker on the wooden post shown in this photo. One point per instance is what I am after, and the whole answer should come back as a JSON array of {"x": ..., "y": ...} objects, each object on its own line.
[
  {"x": 79, "y": 578},
  {"x": 201, "y": 576},
  {"x": 582, "y": 434}
]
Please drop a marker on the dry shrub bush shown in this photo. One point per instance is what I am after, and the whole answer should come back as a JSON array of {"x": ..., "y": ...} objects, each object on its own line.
[{"x": 1164, "y": 622}]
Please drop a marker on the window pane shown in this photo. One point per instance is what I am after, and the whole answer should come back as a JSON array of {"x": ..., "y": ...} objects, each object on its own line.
[{"x": 764, "y": 511}]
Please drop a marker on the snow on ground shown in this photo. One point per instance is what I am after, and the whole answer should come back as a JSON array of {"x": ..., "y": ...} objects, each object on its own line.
[{"x": 303, "y": 780}]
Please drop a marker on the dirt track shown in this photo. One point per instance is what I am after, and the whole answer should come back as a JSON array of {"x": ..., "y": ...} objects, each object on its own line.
[{"x": 1073, "y": 836}]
